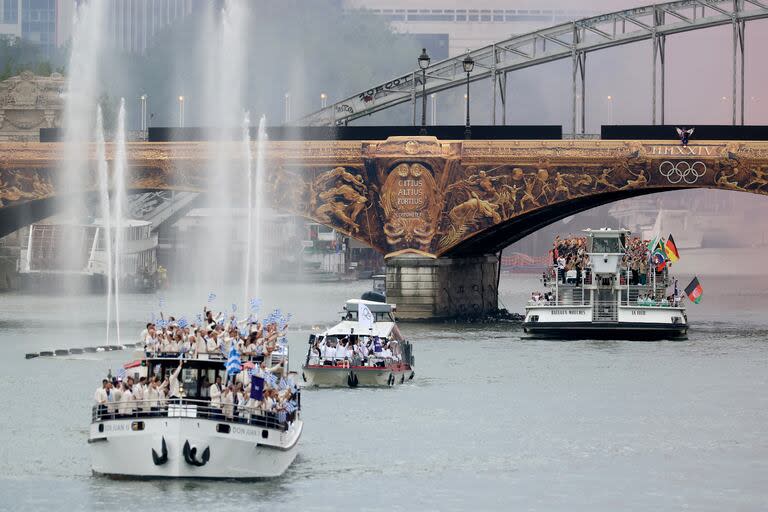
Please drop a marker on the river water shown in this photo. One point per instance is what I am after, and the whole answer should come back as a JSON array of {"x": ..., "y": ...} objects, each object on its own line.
[{"x": 492, "y": 421}]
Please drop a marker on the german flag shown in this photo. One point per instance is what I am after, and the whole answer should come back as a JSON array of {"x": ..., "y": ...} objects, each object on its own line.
[
  {"x": 671, "y": 249},
  {"x": 694, "y": 290}
]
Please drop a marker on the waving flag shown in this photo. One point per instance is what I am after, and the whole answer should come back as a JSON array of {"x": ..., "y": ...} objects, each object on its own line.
[
  {"x": 182, "y": 322},
  {"x": 234, "y": 307},
  {"x": 271, "y": 379},
  {"x": 364, "y": 317},
  {"x": 200, "y": 319},
  {"x": 211, "y": 297},
  {"x": 282, "y": 417},
  {"x": 290, "y": 407},
  {"x": 671, "y": 249},
  {"x": 121, "y": 374},
  {"x": 161, "y": 302},
  {"x": 233, "y": 361},
  {"x": 694, "y": 290},
  {"x": 255, "y": 304},
  {"x": 257, "y": 388}
]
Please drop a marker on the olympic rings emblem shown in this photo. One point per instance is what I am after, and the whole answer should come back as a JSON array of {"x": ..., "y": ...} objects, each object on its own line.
[{"x": 675, "y": 172}]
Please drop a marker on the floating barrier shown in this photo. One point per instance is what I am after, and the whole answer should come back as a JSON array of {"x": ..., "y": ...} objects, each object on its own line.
[
  {"x": 61, "y": 352},
  {"x": 31, "y": 355}
]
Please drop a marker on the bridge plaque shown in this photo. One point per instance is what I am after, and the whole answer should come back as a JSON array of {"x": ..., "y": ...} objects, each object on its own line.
[{"x": 410, "y": 203}]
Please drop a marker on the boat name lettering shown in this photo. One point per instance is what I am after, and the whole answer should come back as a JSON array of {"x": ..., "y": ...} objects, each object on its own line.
[
  {"x": 638, "y": 312},
  {"x": 245, "y": 431},
  {"x": 117, "y": 427},
  {"x": 568, "y": 312}
]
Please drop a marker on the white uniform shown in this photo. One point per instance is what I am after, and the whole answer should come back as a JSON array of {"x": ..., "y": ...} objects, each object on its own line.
[
  {"x": 173, "y": 383},
  {"x": 127, "y": 404},
  {"x": 100, "y": 396},
  {"x": 215, "y": 393}
]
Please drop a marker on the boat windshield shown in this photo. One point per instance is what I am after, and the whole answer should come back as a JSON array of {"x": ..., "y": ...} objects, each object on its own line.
[
  {"x": 606, "y": 245},
  {"x": 378, "y": 317}
]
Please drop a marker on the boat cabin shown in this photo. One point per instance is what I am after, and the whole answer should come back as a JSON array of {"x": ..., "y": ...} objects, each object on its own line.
[{"x": 382, "y": 311}]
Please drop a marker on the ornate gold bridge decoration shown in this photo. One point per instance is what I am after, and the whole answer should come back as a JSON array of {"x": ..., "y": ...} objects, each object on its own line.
[{"x": 418, "y": 194}]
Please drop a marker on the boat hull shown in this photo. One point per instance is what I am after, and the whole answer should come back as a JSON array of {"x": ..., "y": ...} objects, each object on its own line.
[
  {"x": 607, "y": 330},
  {"x": 235, "y": 450},
  {"x": 356, "y": 376}
]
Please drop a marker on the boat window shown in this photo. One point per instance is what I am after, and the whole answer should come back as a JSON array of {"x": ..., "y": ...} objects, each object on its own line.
[
  {"x": 189, "y": 382},
  {"x": 606, "y": 245}
]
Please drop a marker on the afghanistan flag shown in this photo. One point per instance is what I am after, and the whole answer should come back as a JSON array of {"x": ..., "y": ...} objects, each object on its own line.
[
  {"x": 694, "y": 290},
  {"x": 671, "y": 249}
]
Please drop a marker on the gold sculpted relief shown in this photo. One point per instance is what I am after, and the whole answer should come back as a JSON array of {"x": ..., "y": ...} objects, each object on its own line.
[
  {"x": 338, "y": 196},
  {"x": 411, "y": 207}
]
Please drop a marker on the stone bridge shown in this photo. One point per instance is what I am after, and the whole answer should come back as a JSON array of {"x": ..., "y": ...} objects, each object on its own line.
[{"x": 439, "y": 210}]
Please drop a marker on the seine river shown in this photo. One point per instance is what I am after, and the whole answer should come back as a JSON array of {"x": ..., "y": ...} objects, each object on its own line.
[{"x": 492, "y": 421}]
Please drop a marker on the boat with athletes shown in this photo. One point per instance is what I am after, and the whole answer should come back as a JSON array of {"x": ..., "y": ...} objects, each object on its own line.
[
  {"x": 191, "y": 437},
  {"x": 615, "y": 292},
  {"x": 365, "y": 349}
]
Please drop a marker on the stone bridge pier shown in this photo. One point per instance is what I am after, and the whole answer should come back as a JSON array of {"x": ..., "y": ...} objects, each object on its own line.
[{"x": 427, "y": 288}]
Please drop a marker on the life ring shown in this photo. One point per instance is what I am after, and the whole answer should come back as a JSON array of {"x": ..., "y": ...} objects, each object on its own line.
[{"x": 352, "y": 380}]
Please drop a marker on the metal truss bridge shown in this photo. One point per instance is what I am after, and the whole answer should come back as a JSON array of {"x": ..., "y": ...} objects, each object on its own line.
[{"x": 573, "y": 40}]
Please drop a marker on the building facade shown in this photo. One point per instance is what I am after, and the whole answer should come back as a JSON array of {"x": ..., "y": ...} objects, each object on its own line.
[{"x": 448, "y": 27}]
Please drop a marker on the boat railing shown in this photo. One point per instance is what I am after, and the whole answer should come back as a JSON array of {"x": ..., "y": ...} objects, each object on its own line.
[
  {"x": 193, "y": 408},
  {"x": 371, "y": 361}
]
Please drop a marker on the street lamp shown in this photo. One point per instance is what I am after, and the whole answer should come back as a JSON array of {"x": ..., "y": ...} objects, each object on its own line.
[
  {"x": 181, "y": 111},
  {"x": 469, "y": 65},
  {"x": 423, "y": 64},
  {"x": 434, "y": 108},
  {"x": 323, "y": 100},
  {"x": 143, "y": 112},
  {"x": 287, "y": 112},
  {"x": 610, "y": 109}
]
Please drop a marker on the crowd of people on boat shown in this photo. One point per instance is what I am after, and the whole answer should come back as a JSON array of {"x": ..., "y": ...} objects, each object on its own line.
[
  {"x": 569, "y": 258},
  {"x": 213, "y": 335},
  {"x": 570, "y": 265},
  {"x": 353, "y": 350},
  {"x": 256, "y": 345}
]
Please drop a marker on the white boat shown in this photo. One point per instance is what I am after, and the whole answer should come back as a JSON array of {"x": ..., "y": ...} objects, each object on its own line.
[
  {"x": 371, "y": 371},
  {"x": 188, "y": 438},
  {"x": 604, "y": 301}
]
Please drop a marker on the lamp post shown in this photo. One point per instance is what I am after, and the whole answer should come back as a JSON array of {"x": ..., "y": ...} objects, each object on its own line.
[
  {"x": 434, "y": 108},
  {"x": 469, "y": 65},
  {"x": 323, "y": 100},
  {"x": 143, "y": 112},
  {"x": 287, "y": 112},
  {"x": 423, "y": 64},
  {"x": 181, "y": 111},
  {"x": 610, "y": 109}
]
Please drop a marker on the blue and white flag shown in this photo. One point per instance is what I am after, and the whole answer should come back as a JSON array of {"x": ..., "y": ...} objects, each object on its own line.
[
  {"x": 182, "y": 322},
  {"x": 282, "y": 417},
  {"x": 121, "y": 373},
  {"x": 233, "y": 365},
  {"x": 290, "y": 407},
  {"x": 255, "y": 304},
  {"x": 282, "y": 384},
  {"x": 211, "y": 297},
  {"x": 364, "y": 317},
  {"x": 271, "y": 379},
  {"x": 200, "y": 319},
  {"x": 161, "y": 302},
  {"x": 234, "y": 307}
]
